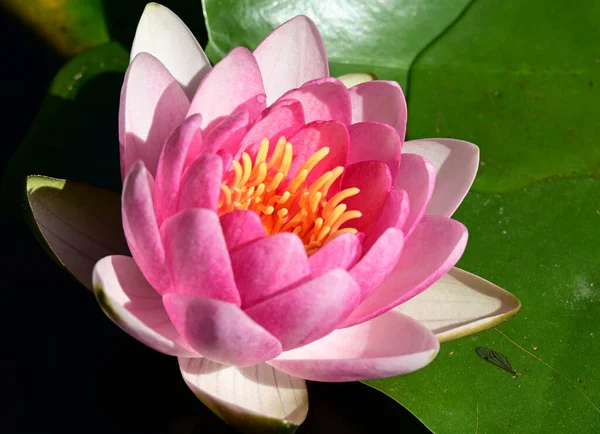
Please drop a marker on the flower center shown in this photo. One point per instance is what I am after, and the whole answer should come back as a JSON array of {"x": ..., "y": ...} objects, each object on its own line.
[{"x": 299, "y": 208}]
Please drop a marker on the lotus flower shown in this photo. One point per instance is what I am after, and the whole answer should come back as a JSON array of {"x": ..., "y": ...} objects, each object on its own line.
[{"x": 279, "y": 227}]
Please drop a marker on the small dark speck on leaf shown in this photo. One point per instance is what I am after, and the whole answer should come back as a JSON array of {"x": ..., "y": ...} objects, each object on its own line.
[
  {"x": 521, "y": 85},
  {"x": 497, "y": 94},
  {"x": 496, "y": 358},
  {"x": 590, "y": 83}
]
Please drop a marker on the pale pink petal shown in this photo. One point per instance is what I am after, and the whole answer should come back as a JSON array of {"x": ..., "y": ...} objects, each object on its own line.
[
  {"x": 220, "y": 331},
  {"x": 393, "y": 215},
  {"x": 268, "y": 265},
  {"x": 127, "y": 298},
  {"x": 390, "y": 345},
  {"x": 429, "y": 253},
  {"x": 341, "y": 252},
  {"x": 141, "y": 228},
  {"x": 198, "y": 256},
  {"x": 152, "y": 105},
  {"x": 374, "y": 181},
  {"x": 417, "y": 178},
  {"x": 290, "y": 56},
  {"x": 324, "y": 99},
  {"x": 171, "y": 164},
  {"x": 227, "y": 135},
  {"x": 201, "y": 184},
  {"x": 233, "y": 83},
  {"x": 456, "y": 163},
  {"x": 375, "y": 141},
  {"x": 241, "y": 227},
  {"x": 162, "y": 33},
  {"x": 379, "y": 101},
  {"x": 378, "y": 262},
  {"x": 309, "y": 311}
]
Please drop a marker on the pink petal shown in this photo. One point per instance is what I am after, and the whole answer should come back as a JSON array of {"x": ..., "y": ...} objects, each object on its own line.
[
  {"x": 171, "y": 164},
  {"x": 429, "y": 253},
  {"x": 220, "y": 331},
  {"x": 233, "y": 83},
  {"x": 201, "y": 183},
  {"x": 128, "y": 299},
  {"x": 198, "y": 256},
  {"x": 227, "y": 134},
  {"x": 268, "y": 265},
  {"x": 324, "y": 99},
  {"x": 310, "y": 311},
  {"x": 290, "y": 56},
  {"x": 241, "y": 227},
  {"x": 141, "y": 227},
  {"x": 379, "y": 101},
  {"x": 374, "y": 181},
  {"x": 341, "y": 252},
  {"x": 375, "y": 141},
  {"x": 390, "y": 345},
  {"x": 417, "y": 178},
  {"x": 393, "y": 215},
  {"x": 456, "y": 163},
  {"x": 378, "y": 262},
  {"x": 152, "y": 105}
]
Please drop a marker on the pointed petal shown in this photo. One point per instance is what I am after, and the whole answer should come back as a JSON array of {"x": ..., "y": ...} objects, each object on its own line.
[
  {"x": 393, "y": 215},
  {"x": 162, "y": 33},
  {"x": 461, "y": 304},
  {"x": 355, "y": 78},
  {"x": 198, "y": 256},
  {"x": 268, "y": 265},
  {"x": 429, "y": 253},
  {"x": 201, "y": 183},
  {"x": 363, "y": 352},
  {"x": 253, "y": 399},
  {"x": 127, "y": 298},
  {"x": 79, "y": 223},
  {"x": 233, "y": 83},
  {"x": 290, "y": 56},
  {"x": 379, "y": 101},
  {"x": 241, "y": 227},
  {"x": 220, "y": 331},
  {"x": 141, "y": 228},
  {"x": 375, "y": 141},
  {"x": 417, "y": 178},
  {"x": 227, "y": 135},
  {"x": 456, "y": 163},
  {"x": 152, "y": 105},
  {"x": 341, "y": 252}
]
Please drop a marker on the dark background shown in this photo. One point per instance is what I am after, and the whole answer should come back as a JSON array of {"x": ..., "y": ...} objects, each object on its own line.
[{"x": 66, "y": 368}]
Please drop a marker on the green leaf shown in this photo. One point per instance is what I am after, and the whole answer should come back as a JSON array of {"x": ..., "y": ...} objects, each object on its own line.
[
  {"x": 541, "y": 243},
  {"x": 379, "y": 37}
]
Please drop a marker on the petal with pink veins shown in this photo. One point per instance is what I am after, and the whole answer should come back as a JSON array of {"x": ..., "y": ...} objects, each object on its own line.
[
  {"x": 152, "y": 105},
  {"x": 198, "y": 256},
  {"x": 393, "y": 214},
  {"x": 220, "y": 331},
  {"x": 162, "y": 33},
  {"x": 309, "y": 311},
  {"x": 363, "y": 352},
  {"x": 375, "y": 141},
  {"x": 201, "y": 183},
  {"x": 290, "y": 56},
  {"x": 241, "y": 227},
  {"x": 128, "y": 299},
  {"x": 429, "y": 253},
  {"x": 341, "y": 252}
]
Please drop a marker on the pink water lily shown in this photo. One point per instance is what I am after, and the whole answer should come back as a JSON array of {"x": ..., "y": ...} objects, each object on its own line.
[{"x": 279, "y": 227}]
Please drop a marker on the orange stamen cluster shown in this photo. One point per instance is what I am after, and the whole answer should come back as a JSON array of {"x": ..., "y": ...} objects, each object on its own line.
[{"x": 299, "y": 208}]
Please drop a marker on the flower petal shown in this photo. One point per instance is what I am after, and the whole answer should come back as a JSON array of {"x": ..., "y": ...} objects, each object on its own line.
[
  {"x": 268, "y": 265},
  {"x": 162, "y": 33},
  {"x": 198, "y": 256},
  {"x": 429, "y": 253},
  {"x": 456, "y": 163},
  {"x": 290, "y": 56},
  {"x": 234, "y": 83},
  {"x": 324, "y": 99},
  {"x": 309, "y": 311},
  {"x": 128, "y": 299},
  {"x": 220, "y": 331},
  {"x": 201, "y": 183},
  {"x": 379, "y": 101},
  {"x": 341, "y": 252},
  {"x": 355, "y": 78},
  {"x": 79, "y": 223},
  {"x": 375, "y": 141},
  {"x": 241, "y": 227},
  {"x": 417, "y": 178},
  {"x": 141, "y": 227},
  {"x": 152, "y": 105},
  {"x": 393, "y": 214},
  {"x": 461, "y": 304},
  {"x": 227, "y": 134},
  {"x": 363, "y": 352},
  {"x": 253, "y": 399}
]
